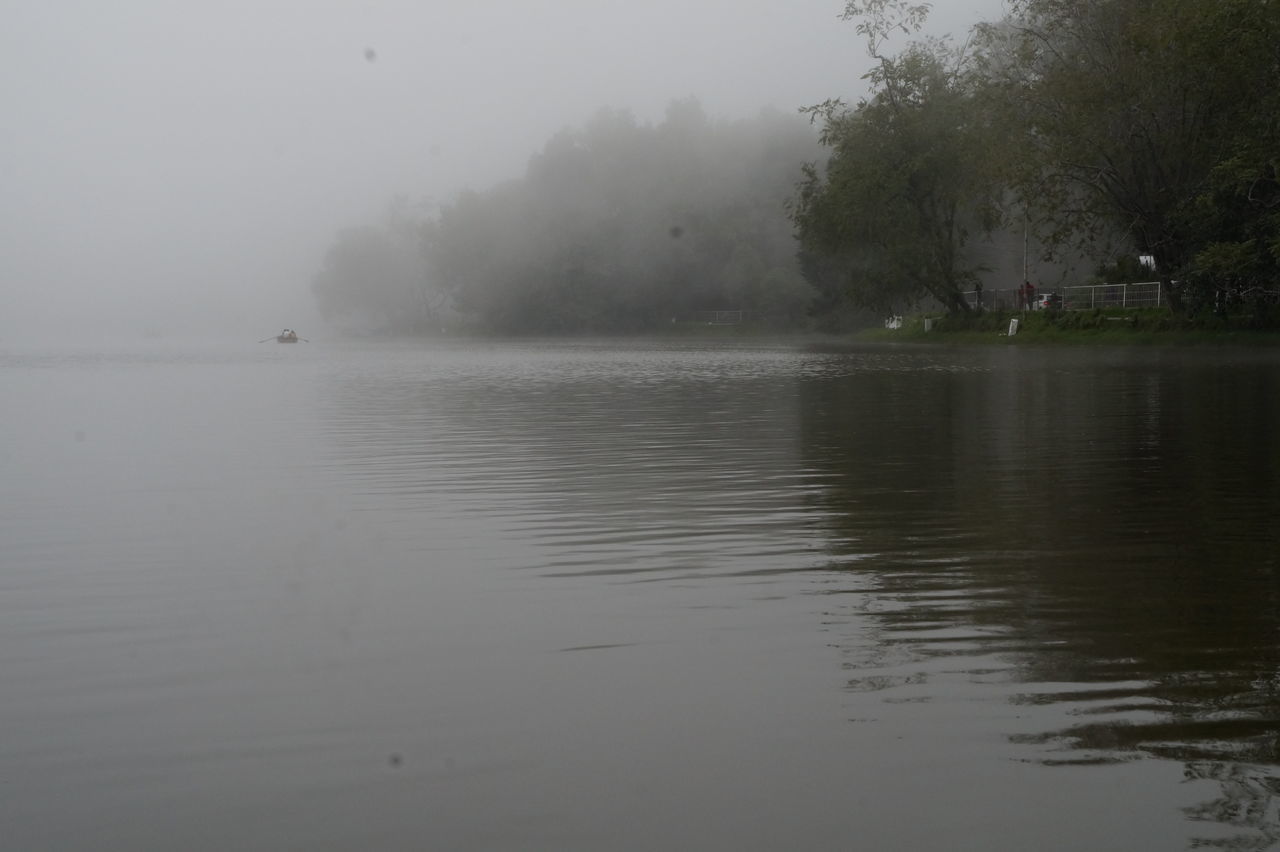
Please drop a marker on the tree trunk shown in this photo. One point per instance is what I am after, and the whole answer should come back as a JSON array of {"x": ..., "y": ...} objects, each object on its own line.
[
  {"x": 1171, "y": 294},
  {"x": 955, "y": 302},
  {"x": 1170, "y": 290}
]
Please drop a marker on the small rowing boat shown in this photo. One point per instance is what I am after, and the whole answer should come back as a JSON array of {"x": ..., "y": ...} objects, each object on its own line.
[{"x": 286, "y": 336}]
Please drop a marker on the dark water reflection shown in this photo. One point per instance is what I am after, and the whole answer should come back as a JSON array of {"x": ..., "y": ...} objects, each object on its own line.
[
  {"x": 587, "y": 595},
  {"x": 1091, "y": 533},
  {"x": 1102, "y": 528}
]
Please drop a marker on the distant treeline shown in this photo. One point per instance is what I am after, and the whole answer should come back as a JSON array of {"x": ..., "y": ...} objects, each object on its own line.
[
  {"x": 616, "y": 226},
  {"x": 1110, "y": 129}
]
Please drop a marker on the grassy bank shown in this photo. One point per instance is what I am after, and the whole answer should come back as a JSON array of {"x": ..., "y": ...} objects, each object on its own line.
[{"x": 1156, "y": 326}]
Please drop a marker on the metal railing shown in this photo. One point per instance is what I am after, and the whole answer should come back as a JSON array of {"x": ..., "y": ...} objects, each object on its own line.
[
  {"x": 719, "y": 317},
  {"x": 1085, "y": 297},
  {"x": 1078, "y": 298},
  {"x": 1144, "y": 294}
]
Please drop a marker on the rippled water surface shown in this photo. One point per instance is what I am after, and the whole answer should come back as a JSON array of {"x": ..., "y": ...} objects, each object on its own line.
[{"x": 582, "y": 596}]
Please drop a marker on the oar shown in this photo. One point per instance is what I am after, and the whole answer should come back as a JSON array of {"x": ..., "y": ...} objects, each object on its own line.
[{"x": 265, "y": 339}]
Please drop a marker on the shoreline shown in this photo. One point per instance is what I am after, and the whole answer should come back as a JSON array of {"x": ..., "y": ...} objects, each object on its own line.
[{"x": 1095, "y": 327}]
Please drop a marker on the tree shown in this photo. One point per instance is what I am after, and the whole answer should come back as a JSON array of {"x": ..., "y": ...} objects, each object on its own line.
[
  {"x": 888, "y": 220},
  {"x": 619, "y": 226},
  {"x": 375, "y": 276},
  {"x": 1127, "y": 112}
]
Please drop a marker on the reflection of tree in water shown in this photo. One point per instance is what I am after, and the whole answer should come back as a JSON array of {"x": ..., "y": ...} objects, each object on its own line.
[
  {"x": 1108, "y": 529},
  {"x": 1250, "y": 802}
]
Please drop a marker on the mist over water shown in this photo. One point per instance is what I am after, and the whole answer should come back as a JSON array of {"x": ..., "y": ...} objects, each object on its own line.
[
  {"x": 478, "y": 595},
  {"x": 474, "y": 594},
  {"x": 181, "y": 172}
]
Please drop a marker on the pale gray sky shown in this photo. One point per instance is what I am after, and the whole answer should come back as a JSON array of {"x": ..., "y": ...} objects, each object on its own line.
[{"x": 185, "y": 164}]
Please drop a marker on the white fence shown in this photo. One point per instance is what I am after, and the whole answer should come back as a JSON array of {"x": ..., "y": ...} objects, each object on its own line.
[
  {"x": 1084, "y": 297},
  {"x": 1079, "y": 298},
  {"x": 1143, "y": 295},
  {"x": 720, "y": 317}
]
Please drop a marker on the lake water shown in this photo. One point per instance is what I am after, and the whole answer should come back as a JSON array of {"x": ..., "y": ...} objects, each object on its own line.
[{"x": 585, "y": 596}]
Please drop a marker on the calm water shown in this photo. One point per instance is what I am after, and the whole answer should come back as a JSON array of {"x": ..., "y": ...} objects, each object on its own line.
[{"x": 584, "y": 596}]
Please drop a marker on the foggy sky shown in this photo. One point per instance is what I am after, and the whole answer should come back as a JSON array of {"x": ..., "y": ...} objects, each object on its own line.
[{"x": 171, "y": 164}]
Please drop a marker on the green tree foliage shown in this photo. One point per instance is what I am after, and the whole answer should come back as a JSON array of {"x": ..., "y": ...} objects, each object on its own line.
[
  {"x": 1107, "y": 128},
  {"x": 1153, "y": 119},
  {"x": 1234, "y": 224},
  {"x": 888, "y": 220},
  {"x": 619, "y": 226}
]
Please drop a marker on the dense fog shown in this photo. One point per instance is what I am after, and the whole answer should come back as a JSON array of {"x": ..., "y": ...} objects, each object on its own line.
[{"x": 182, "y": 169}]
